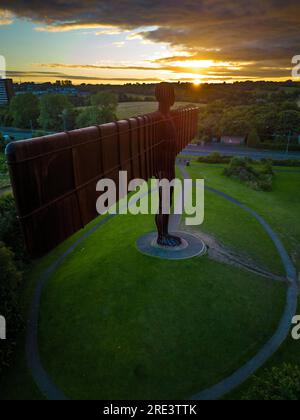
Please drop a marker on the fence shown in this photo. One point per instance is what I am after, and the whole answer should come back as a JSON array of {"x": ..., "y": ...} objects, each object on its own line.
[{"x": 54, "y": 177}]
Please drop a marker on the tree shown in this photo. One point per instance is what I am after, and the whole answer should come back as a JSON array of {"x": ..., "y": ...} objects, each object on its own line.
[
  {"x": 10, "y": 281},
  {"x": 107, "y": 102},
  {"x": 235, "y": 122},
  {"x": 102, "y": 110},
  {"x": 54, "y": 108},
  {"x": 69, "y": 118},
  {"x": 2, "y": 145},
  {"x": 88, "y": 117},
  {"x": 104, "y": 100},
  {"x": 253, "y": 138},
  {"x": 5, "y": 117},
  {"x": 24, "y": 110},
  {"x": 288, "y": 121}
]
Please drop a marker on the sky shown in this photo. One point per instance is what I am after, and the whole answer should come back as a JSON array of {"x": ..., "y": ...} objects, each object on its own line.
[{"x": 128, "y": 41}]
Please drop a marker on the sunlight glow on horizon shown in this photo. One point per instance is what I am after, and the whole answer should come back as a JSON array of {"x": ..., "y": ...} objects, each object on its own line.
[{"x": 79, "y": 52}]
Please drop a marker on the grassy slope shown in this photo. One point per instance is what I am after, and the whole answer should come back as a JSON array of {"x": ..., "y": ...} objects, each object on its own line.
[
  {"x": 131, "y": 109},
  {"x": 18, "y": 383},
  {"x": 135, "y": 329},
  {"x": 281, "y": 209},
  {"x": 234, "y": 227},
  {"x": 262, "y": 303}
]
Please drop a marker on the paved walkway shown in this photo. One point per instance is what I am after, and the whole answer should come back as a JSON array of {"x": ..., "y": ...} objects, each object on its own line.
[{"x": 49, "y": 389}]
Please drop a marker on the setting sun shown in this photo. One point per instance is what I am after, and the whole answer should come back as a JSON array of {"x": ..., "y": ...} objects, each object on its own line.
[{"x": 197, "y": 82}]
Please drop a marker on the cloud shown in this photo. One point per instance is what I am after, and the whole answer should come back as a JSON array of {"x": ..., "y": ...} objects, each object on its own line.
[
  {"x": 246, "y": 70},
  {"x": 263, "y": 32},
  {"x": 82, "y": 78}
]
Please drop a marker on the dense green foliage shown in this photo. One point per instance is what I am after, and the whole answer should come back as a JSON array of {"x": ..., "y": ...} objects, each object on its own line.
[
  {"x": 276, "y": 384},
  {"x": 55, "y": 111},
  {"x": 24, "y": 110},
  {"x": 258, "y": 178},
  {"x": 4, "y": 177},
  {"x": 103, "y": 109},
  {"x": 3, "y": 164},
  {"x": 270, "y": 123},
  {"x": 253, "y": 138},
  {"x": 217, "y": 158},
  {"x": 10, "y": 229},
  {"x": 10, "y": 281},
  {"x": 2, "y": 147},
  {"x": 214, "y": 158}
]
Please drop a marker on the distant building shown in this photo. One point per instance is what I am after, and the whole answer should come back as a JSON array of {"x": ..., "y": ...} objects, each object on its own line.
[
  {"x": 233, "y": 140},
  {"x": 6, "y": 91}
]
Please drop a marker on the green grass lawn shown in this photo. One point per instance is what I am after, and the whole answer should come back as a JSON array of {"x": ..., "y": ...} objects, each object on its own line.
[
  {"x": 117, "y": 324},
  {"x": 132, "y": 109},
  {"x": 289, "y": 352},
  {"x": 129, "y": 327},
  {"x": 280, "y": 208}
]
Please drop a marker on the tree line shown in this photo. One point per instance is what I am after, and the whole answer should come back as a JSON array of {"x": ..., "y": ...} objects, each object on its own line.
[
  {"x": 260, "y": 122},
  {"x": 56, "y": 112}
]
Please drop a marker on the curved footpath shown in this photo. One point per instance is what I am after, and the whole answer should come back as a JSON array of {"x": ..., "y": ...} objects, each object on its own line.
[
  {"x": 49, "y": 389},
  {"x": 284, "y": 327}
]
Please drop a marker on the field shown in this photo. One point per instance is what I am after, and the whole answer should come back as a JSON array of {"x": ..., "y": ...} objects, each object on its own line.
[{"x": 131, "y": 109}]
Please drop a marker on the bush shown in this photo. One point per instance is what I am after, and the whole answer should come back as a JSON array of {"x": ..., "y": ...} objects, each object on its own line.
[
  {"x": 214, "y": 158},
  {"x": 3, "y": 165},
  {"x": 288, "y": 162},
  {"x": 253, "y": 139},
  {"x": 10, "y": 229},
  {"x": 10, "y": 281},
  {"x": 276, "y": 384},
  {"x": 258, "y": 178},
  {"x": 2, "y": 144}
]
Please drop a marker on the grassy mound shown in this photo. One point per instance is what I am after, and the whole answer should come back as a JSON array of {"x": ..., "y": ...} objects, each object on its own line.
[
  {"x": 259, "y": 178},
  {"x": 117, "y": 324}
]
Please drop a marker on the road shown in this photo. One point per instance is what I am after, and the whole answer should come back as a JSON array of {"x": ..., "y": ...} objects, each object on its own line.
[
  {"x": 195, "y": 150},
  {"x": 16, "y": 133}
]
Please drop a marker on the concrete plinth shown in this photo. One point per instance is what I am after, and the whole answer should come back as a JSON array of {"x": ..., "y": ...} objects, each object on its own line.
[{"x": 191, "y": 247}]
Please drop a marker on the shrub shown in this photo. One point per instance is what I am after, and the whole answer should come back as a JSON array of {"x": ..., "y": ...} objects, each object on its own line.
[
  {"x": 253, "y": 138},
  {"x": 276, "y": 384},
  {"x": 10, "y": 281},
  {"x": 2, "y": 144},
  {"x": 10, "y": 229},
  {"x": 256, "y": 177},
  {"x": 288, "y": 162},
  {"x": 214, "y": 158},
  {"x": 3, "y": 165}
]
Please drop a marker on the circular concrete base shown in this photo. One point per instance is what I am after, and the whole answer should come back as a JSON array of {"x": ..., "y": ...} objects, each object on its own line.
[{"x": 191, "y": 247}]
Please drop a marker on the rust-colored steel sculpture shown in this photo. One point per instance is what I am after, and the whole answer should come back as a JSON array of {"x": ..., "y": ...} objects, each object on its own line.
[{"x": 54, "y": 177}]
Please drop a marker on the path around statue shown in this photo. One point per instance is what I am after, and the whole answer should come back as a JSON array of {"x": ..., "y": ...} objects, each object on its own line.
[{"x": 51, "y": 392}]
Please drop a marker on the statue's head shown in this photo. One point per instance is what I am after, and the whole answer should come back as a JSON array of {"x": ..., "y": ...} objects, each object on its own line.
[{"x": 165, "y": 95}]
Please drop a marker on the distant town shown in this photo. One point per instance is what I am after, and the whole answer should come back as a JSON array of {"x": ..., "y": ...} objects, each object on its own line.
[{"x": 260, "y": 114}]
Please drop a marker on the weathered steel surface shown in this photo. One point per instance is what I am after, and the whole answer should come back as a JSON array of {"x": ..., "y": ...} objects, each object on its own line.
[{"x": 54, "y": 177}]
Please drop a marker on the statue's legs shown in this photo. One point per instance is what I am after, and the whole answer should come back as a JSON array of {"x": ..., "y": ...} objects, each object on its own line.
[{"x": 162, "y": 223}]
